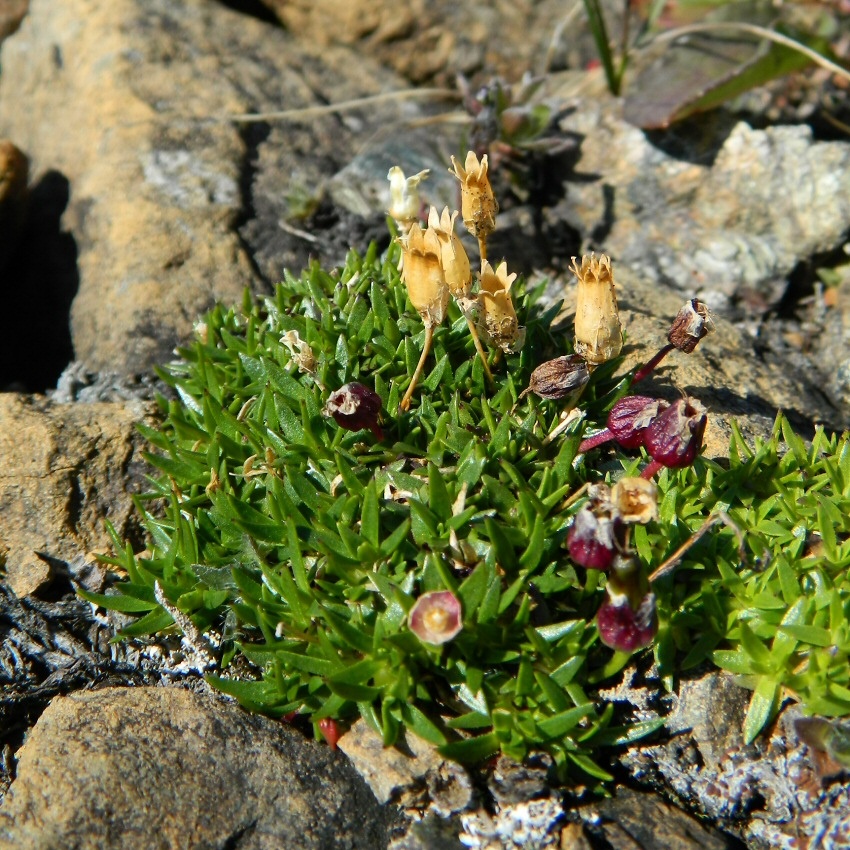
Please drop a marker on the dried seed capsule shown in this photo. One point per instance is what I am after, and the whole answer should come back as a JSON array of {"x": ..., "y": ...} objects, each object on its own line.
[
  {"x": 435, "y": 618},
  {"x": 422, "y": 273},
  {"x": 635, "y": 499},
  {"x": 599, "y": 335},
  {"x": 674, "y": 437},
  {"x": 692, "y": 323},
  {"x": 453, "y": 257},
  {"x": 631, "y": 416},
  {"x": 558, "y": 378},
  {"x": 624, "y": 627},
  {"x": 354, "y": 407},
  {"x": 591, "y": 540},
  {"x": 477, "y": 201},
  {"x": 497, "y": 321}
]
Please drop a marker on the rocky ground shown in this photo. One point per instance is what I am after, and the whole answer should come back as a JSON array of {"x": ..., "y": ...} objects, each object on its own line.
[{"x": 144, "y": 195}]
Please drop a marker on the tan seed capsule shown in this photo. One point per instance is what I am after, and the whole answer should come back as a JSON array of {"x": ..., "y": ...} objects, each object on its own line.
[
  {"x": 422, "y": 273},
  {"x": 453, "y": 257},
  {"x": 497, "y": 320},
  {"x": 599, "y": 334},
  {"x": 477, "y": 202},
  {"x": 558, "y": 378},
  {"x": 635, "y": 500}
]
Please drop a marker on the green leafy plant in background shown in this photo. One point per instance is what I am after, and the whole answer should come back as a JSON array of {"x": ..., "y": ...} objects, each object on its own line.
[
  {"x": 301, "y": 548},
  {"x": 692, "y": 55}
]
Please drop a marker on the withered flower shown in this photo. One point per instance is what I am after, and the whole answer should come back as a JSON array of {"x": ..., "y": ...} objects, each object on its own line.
[
  {"x": 455, "y": 262},
  {"x": 599, "y": 335},
  {"x": 631, "y": 416},
  {"x": 300, "y": 351},
  {"x": 497, "y": 321},
  {"x": 627, "y": 422},
  {"x": 477, "y": 202},
  {"x": 404, "y": 197},
  {"x": 435, "y": 618},
  {"x": 591, "y": 540},
  {"x": 635, "y": 500},
  {"x": 558, "y": 378},
  {"x": 674, "y": 437},
  {"x": 692, "y": 323},
  {"x": 353, "y": 407}
]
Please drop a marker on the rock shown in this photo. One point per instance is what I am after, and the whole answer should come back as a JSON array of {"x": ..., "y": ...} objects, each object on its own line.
[
  {"x": 769, "y": 792},
  {"x": 723, "y": 219},
  {"x": 14, "y": 173},
  {"x": 141, "y": 768},
  {"x": 411, "y": 771},
  {"x": 436, "y": 40},
  {"x": 11, "y": 15},
  {"x": 635, "y": 820},
  {"x": 64, "y": 469},
  {"x": 130, "y": 109}
]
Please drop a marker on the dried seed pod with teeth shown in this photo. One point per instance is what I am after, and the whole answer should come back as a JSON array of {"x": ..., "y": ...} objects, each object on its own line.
[
  {"x": 404, "y": 197},
  {"x": 423, "y": 275},
  {"x": 599, "y": 334},
  {"x": 477, "y": 202},
  {"x": 497, "y": 321}
]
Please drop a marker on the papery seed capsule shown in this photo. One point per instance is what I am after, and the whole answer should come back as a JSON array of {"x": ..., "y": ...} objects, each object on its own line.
[
  {"x": 635, "y": 499},
  {"x": 630, "y": 417},
  {"x": 497, "y": 319},
  {"x": 692, "y": 323},
  {"x": 477, "y": 201},
  {"x": 453, "y": 257},
  {"x": 353, "y": 407},
  {"x": 404, "y": 196},
  {"x": 674, "y": 437},
  {"x": 625, "y": 628},
  {"x": 558, "y": 378},
  {"x": 599, "y": 335},
  {"x": 435, "y": 617}
]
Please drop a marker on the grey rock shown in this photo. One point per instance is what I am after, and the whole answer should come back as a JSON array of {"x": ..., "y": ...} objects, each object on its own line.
[
  {"x": 769, "y": 793},
  {"x": 156, "y": 768},
  {"x": 719, "y": 223},
  {"x": 635, "y": 820}
]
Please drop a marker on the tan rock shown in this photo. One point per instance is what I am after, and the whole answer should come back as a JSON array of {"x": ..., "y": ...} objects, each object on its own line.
[
  {"x": 434, "y": 40},
  {"x": 64, "y": 469},
  {"x": 129, "y": 102},
  {"x": 152, "y": 768}
]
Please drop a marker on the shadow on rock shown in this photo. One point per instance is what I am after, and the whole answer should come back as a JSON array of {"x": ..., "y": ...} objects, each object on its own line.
[{"x": 40, "y": 282}]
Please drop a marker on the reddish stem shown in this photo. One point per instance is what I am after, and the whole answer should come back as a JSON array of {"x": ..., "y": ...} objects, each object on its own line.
[
  {"x": 594, "y": 441},
  {"x": 645, "y": 370},
  {"x": 650, "y": 469}
]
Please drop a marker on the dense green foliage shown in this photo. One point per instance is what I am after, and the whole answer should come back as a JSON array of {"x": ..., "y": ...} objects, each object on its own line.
[{"x": 303, "y": 546}]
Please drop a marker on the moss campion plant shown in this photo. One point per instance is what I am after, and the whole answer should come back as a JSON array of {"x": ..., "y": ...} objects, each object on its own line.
[{"x": 471, "y": 568}]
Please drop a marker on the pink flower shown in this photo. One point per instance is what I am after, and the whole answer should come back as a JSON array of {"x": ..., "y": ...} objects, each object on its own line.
[
  {"x": 436, "y": 617},
  {"x": 623, "y": 627}
]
